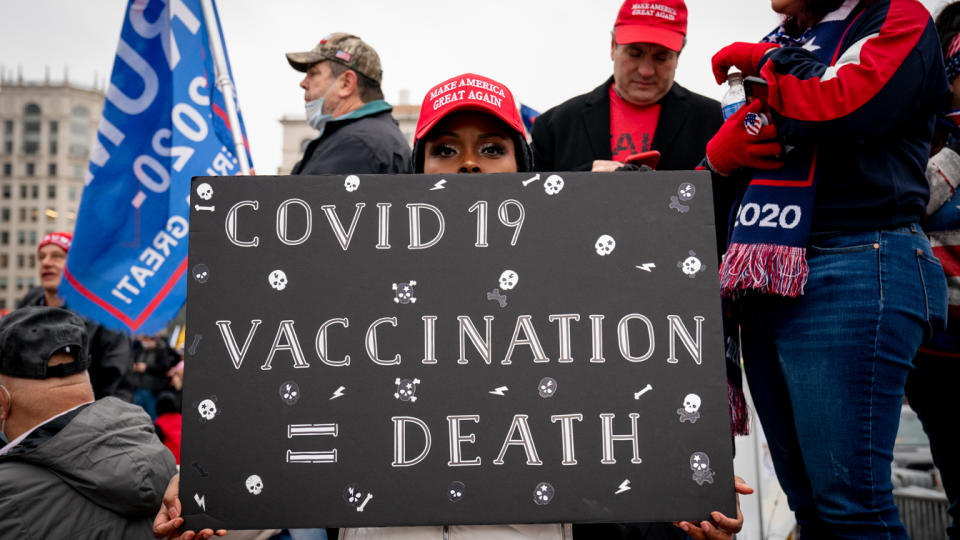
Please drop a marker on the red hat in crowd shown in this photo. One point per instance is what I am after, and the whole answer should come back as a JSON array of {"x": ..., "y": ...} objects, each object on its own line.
[
  {"x": 663, "y": 22},
  {"x": 62, "y": 239},
  {"x": 467, "y": 92}
]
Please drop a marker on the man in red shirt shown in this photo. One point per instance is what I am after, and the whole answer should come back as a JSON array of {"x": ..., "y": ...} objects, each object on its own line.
[{"x": 639, "y": 109}]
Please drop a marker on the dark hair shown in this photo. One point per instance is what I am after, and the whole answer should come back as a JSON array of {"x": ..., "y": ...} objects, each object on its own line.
[
  {"x": 368, "y": 88},
  {"x": 948, "y": 24},
  {"x": 521, "y": 149},
  {"x": 167, "y": 402}
]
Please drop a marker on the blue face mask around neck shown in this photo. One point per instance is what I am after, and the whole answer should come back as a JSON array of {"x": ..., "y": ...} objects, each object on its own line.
[{"x": 315, "y": 116}]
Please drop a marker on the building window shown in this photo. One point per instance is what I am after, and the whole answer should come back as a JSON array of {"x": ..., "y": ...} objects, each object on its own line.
[
  {"x": 32, "y": 262},
  {"x": 51, "y": 169},
  {"x": 23, "y": 215},
  {"x": 79, "y": 131},
  {"x": 8, "y": 169},
  {"x": 3, "y": 285},
  {"x": 52, "y": 189},
  {"x": 6, "y": 191},
  {"x": 4, "y": 238},
  {"x": 8, "y": 137},
  {"x": 21, "y": 238},
  {"x": 34, "y": 213},
  {"x": 54, "y": 135},
  {"x": 33, "y": 238},
  {"x": 23, "y": 191},
  {"x": 31, "y": 128},
  {"x": 19, "y": 283},
  {"x": 78, "y": 172},
  {"x": 34, "y": 191},
  {"x": 71, "y": 193},
  {"x": 5, "y": 215},
  {"x": 31, "y": 169},
  {"x": 4, "y": 262},
  {"x": 19, "y": 260},
  {"x": 51, "y": 216}
]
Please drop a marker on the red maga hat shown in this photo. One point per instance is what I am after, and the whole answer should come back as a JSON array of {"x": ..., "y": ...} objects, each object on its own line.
[
  {"x": 62, "y": 239},
  {"x": 663, "y": 22},
  {"x": 467, "y": 92}
]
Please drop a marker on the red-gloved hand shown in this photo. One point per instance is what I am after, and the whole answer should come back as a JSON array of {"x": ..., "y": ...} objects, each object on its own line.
[
  {"x": 743, "y": 56},
  {"x": 743, "y": 141}
]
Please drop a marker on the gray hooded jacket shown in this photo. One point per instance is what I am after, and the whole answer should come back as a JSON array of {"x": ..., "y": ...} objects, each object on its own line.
[{"x": 101, "y": 475}]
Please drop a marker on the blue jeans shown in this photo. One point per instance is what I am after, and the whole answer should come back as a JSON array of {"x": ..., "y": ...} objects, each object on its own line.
[{"x": 827, "y": 370}]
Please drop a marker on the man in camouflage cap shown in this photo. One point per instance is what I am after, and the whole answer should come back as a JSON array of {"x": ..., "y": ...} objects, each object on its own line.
[{"x": 344, "y": 103}]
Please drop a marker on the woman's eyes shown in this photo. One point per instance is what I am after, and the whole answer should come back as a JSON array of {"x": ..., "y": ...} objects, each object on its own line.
[
  {"x": 493, "y": 149},
  {"x": 487, "y": 149},
  {"x": 443, "y": 150}
]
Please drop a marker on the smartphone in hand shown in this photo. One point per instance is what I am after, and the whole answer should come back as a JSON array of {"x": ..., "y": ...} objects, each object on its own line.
[{"x": 650, "y": 159}]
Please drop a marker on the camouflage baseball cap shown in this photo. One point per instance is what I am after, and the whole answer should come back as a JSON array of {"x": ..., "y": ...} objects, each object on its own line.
[{"x": 347, "y": 49}]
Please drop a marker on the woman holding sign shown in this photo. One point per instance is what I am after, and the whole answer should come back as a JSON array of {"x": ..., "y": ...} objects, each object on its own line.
[
  {"x": 835, "y": 281},
  {"x": 467, "y": 124}
]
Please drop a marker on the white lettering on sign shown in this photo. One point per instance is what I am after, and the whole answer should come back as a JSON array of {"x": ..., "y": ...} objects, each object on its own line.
[{"x": 524, "y": 333}]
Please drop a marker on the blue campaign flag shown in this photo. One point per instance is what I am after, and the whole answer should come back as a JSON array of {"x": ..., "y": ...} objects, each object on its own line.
[
  {"x": 528, "y": 115},
  {"x": 164, "y": 121}
]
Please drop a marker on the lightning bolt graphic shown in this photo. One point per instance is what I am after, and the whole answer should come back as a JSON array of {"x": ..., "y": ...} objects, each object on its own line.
[
  {"x": 200, "y": 501},
  {"x": 624, "y": 486},
  {"x": 647, "y": 267},
  {"x": 498, "y": 391},
  {"x": 438, "y": 185},
  {"x": 338, "y": 392}
]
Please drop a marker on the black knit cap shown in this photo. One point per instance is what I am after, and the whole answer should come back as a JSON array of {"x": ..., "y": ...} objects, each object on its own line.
[{"x": 29, "y": 336}]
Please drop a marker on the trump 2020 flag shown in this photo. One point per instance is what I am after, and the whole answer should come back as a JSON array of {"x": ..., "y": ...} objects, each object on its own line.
[{"x": 163, "y": 122}]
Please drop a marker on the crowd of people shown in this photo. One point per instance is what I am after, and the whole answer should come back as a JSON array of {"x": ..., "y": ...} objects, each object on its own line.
[{"x": 850, "y": 137}]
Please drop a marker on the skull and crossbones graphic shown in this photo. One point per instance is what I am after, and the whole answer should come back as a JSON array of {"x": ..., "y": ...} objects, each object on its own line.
[
  {"x": 356, "y": 497},
  {"x": 508, "y": 280},
  {"x": 553, "y": 185},
  {"x": 290, "y": 392},
  {"x": 254, "y": 484},
  {"x": 700, "y": 465},
  {"x": 605, "y": 245},
  {"x": 690, "y": 412},
  {"x": 403, "y": 292},
  {"x": 543, "y": 493},
  {"x": 207, "y": 409},
  {"x": 691, "y": 265},
  {"x": 351, "y": 183},
  {"x": 547, "y": 387},
  {"x": 278, "y": 280},
  {"x": 455, "y": 491},
  {"x": 201, "y": 273},
  {"x": 205, "y": 191},
  {"x": 406, "y": 389}
]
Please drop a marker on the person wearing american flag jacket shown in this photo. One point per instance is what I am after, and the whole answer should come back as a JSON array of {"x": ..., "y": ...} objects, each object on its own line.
[
  {"x": 834, "y": 281},
  {"x": 937, "y": 364}
]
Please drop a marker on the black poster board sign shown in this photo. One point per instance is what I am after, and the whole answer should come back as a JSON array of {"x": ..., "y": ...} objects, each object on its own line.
[{"x": 469, "y": 349}]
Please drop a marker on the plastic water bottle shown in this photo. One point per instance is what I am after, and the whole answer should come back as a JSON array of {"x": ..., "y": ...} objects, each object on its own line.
[{"x": 735, "y": 97}]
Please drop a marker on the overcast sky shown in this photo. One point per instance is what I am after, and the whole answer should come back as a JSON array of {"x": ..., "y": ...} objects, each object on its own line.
[{"x": 544, "y": 51}]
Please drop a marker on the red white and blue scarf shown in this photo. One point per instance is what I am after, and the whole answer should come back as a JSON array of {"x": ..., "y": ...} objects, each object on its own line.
[{"x": 771, "y": 225}]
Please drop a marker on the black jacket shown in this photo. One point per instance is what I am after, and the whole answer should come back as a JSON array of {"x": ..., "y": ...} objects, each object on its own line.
[
  {"x": 111, "y": 354},
  {"x": 571, "y": 135},
  {"x": 367, "y": 145}
]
